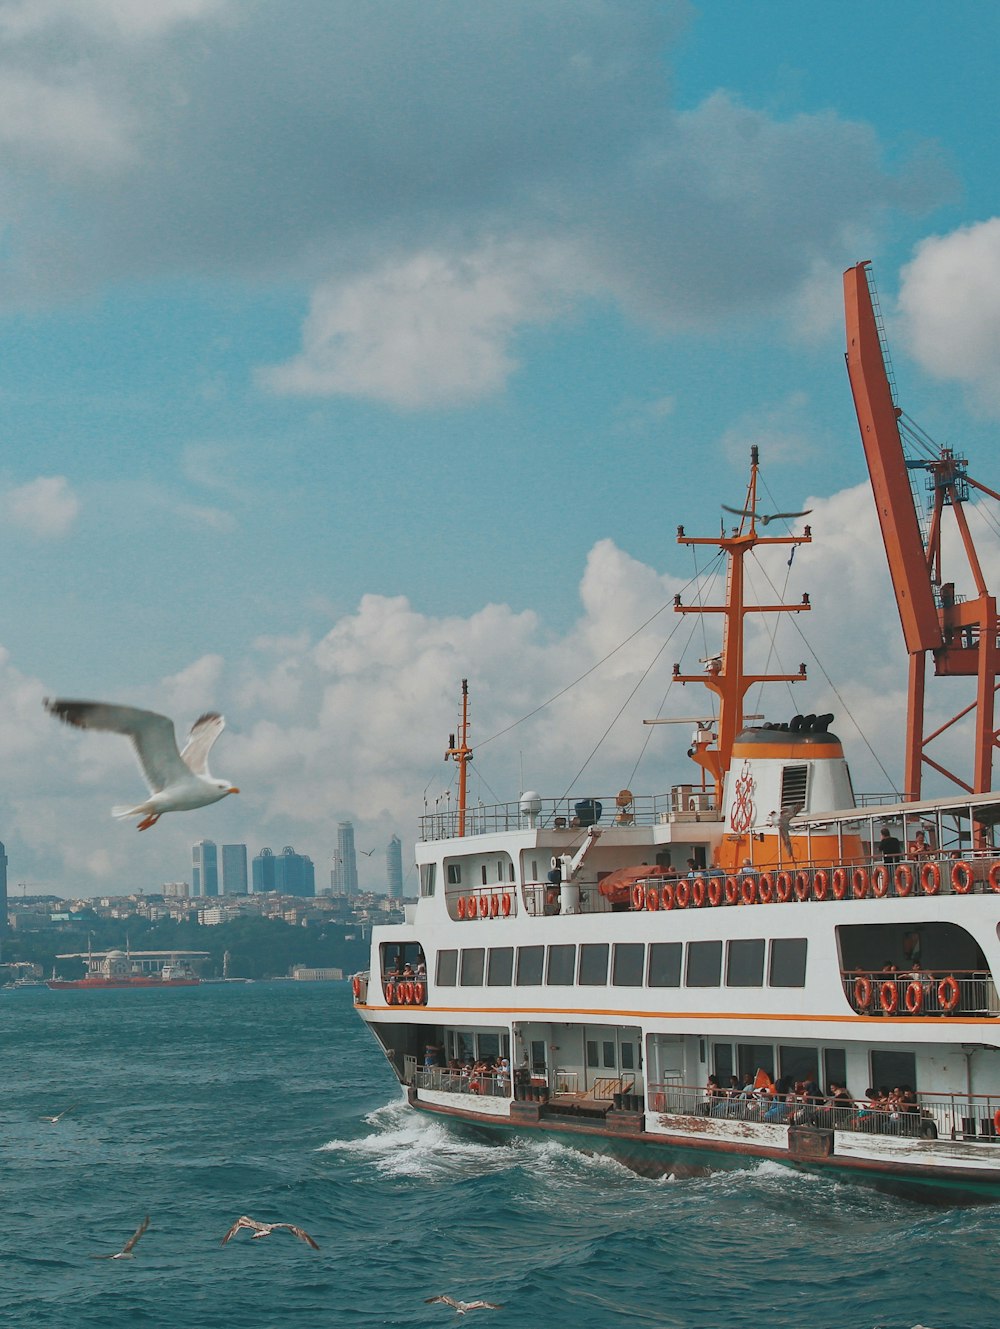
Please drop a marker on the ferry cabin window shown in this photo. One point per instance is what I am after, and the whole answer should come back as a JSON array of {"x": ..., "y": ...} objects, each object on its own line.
[
  {"x": 788, "y": 962},
  {"x": 473, "y": 962},
  {"x": 447, "y": 968},
  {"x": 722, "y": 1061},
  {"x": 664, "y": 964},
  {"x": 428, "y": 875},
  {"x": 530, "y": 960},
  {"x": 483, "y": 874},
  {"x": 626, "y": 968},
  {"x": 454, "y": 874},
  {"x": 893, "y": 1070},
  {"x": 592, "y": 1062},
  {"x": 745, "y": 963},
  {"x": 704, "y": 964},
  {"x": 594, "y": 963},
  {"x": 754, "y": 1057},
  {"x": 500, "y": 970},
  {"x": 801, "y": 1063},
  {"x": 835, "y": 1067},
  {"x": 628, "y": 1057},
  {"x": 488, "y": 1047},
  {"x": 610, "y": 1060},
  {"x": 562, "y": 963}
]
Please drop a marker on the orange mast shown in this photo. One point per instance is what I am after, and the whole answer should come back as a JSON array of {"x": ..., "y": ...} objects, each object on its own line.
[
  {"x": 462, "y": 754},
  {"x": 726, "y": 676}
]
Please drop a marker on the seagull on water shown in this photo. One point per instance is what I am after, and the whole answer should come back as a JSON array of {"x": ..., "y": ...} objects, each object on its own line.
[
  {"x": 126, "y": 1251},
  {"x": 765, "y": 517},
  {"x": 178, "y": 781},
  {"x": 59, "y": 1115},
  {"x": 463, "y": 1306},
  {"x": 265, "y": 1229}
]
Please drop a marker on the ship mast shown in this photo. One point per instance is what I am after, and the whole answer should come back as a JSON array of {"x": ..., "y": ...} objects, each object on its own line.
[
  {"x": 725, "y": 673},
  {"x": 462, "y": 754}
]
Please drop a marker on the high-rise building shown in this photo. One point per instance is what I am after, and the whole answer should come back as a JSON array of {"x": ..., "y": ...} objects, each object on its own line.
[
  {"x": 262, "y": 871},
  {"x": 205, "y": 868},
  {"x": 344, "y": 877},
  {"x": 234, "y": 869},
  {"x": 3, "y": 890},
  {"x": 394, "y": 867},
  {"x": 294, "y": 874}
]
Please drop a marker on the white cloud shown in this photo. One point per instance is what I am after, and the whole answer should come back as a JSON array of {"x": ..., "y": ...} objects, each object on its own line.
[
  {"x": 46, "y": 507},
  {"x": 784, "y": 431},
  {"x": 61, "y": 120},
  {"x": 949, "y": 301}
]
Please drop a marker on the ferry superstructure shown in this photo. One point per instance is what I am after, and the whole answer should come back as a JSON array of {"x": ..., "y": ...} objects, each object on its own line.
[{"x": 718, "y": 973}]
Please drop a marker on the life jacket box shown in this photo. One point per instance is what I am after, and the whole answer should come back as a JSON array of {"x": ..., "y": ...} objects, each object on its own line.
[{"x": 588, "y": 811}]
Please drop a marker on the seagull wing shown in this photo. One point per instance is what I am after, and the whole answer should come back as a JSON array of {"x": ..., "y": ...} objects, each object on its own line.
[
  {"x": 152, "y": 735},
  {"x": 739, "y": 512},
  {"x": 299, "y": 1232},
  {"x": 241, "y": 1222},
  {"x": 775, "y": 515},
  {"x": 130, "y": 1244},
  {"x": 448, "y": 1301},
  {"x": 484, "y": 1305},
  {"x": 205, "y": 730}
]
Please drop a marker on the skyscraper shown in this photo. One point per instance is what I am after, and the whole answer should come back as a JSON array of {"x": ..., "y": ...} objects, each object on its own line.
[
  {"x": 234, "y": 869},
  {"x": 294, "y": 874},
  {"x": 345, "y": 870},
  {"x": 205, "y": 868},
  {"x": 3, "y": 890},
  {"x": 262, "y": 869},
  {"x": 394, "y": 867}
]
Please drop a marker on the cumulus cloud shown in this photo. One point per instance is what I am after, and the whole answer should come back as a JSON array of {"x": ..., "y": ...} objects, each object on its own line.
[
  {"x": 949, "y": 302},
  {"x": 46, "y": 507}
]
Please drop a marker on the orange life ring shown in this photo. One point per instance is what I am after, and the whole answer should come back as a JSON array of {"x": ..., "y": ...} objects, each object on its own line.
[
  {"x": 930, "y": 879},
  {"x": 904, "y": 879},
  {"x": 748, "y": 890},
  {"x": 505, "y": 904},
  {"x": 859, "y": 883},
  {"x": 652, "y": 898},
  {"x": 994, "y": 877},
  {"x": 698, "y": 891},
  {"x": 682, "y": 894},
  {"x": 913, "y": 998},
  {"x": 996, "y": 1122},
  {"x": 418, "y": 994},
  {"x": 390, "y": 993},
  {"x": 732, "y": 890},
  {"x": 839, "y": 883},
  {"x": 821, "y": 884},
  {"x": 783, "y": 887},
  {"x": 948, "y": 994},
  {"x": 667, "y": 898},
  {"x": 460, "y": 908},
  {"x": 888, "y": 997},
  {"x": 802, "y": 886},
  {"x": 494, "y": 906},
  {"x": 880, "y": 881},
  {"x": 862, "y": 992},
  {"x": 715, "y": 891},
  {"x": 961, "y": 877},
  {"x": 470, "y": 907},
  {"x": 407, "y": 990},
  {"x": 356, "y": 986},
  {"x": 766, "y": 888},
  {"x": 484, "y": 906},
  {"x": 638, "y": 896}
]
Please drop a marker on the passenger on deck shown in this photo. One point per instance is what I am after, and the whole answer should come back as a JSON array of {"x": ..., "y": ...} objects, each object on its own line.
[
  {"x": 693, "y": 869},
  {"x": 918, "y": 846},
  {"x": 889, "y": 847},
  {"x": 715, "y": 1096}
]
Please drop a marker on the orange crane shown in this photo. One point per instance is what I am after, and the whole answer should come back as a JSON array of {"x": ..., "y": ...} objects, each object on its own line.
[{"x": 959, "y": 632}]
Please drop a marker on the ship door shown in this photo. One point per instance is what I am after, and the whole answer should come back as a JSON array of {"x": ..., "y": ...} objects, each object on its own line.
[{"x": 612, "y": 1054}]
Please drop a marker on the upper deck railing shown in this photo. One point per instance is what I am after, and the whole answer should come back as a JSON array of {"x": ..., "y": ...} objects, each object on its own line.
[{"x": 682, "y": 803}]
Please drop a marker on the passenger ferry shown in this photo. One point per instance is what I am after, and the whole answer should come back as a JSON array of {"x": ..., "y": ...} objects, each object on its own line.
[{"x": 752, "y": 965}]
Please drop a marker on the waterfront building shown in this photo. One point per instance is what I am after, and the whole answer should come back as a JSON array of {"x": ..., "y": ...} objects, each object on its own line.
[
  {"x": 294, "y": 874},
  {"x": 344, "y": 878},
  {"x": 262, "y": 872},
  {"x": 234, "y": 869},
  {"x": 394, "y": 867},
  {"x": 205, "y": 868}
]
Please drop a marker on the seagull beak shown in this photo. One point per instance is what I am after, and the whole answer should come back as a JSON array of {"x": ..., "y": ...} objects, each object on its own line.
[{"x": 234, "y": 790}]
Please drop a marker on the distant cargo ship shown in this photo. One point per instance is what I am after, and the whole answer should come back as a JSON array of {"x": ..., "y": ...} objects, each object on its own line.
[{"x": 125, "y": 969}]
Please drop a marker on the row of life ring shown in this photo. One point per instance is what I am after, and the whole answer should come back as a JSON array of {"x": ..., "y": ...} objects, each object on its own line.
[
  {"x": 948, "y": 995},
  {"x": 765, "y": 887},
  {"x": 484, "y": 906},
  {"x": 405, "y": 993}
]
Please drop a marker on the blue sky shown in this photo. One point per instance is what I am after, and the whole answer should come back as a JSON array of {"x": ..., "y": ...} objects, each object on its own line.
[{"x": 351, "y": 349}]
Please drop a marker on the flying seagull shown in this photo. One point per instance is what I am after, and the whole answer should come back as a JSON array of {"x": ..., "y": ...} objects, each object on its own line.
[
  {"x": 126, "y": 1251},
  {"x": 265, "y": 1229},
  {"x": 463, "y": 1306},
  {"x": 764, "y": 517},
  {"x": 59, "y": 1115},
  {"x": 178, "y": 781}
]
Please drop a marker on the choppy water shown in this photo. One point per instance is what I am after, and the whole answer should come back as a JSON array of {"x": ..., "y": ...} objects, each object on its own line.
[{"x": 198, "y": 1105}]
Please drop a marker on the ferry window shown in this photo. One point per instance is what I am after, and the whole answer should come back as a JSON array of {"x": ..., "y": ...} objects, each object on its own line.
[
  {"x": 510, "y": 870},
  {"x": 628, "y": 1057},
  {"x": 610, "y": 1060},
  {"x": 529, "y": 965},
  {"x": 722, "y": 1060},
  {"x": 799, "y": 1063},
  {"x": 894, "y": 1069},
  {"x": 835, "y": 1067},
  {"x": 484, "y": 874},
  {"x": 704, "y": 964},
  {"x": 664, "y": 964},
  {"x": 788, "y": 962},
  {"x": 488, "y": 1047},
  {"x": 754, "y": 1057},
  {"x": 501, "y": 966},
  {"x": 499, "y": 869},
  {"x": 745, "y": 963},
  {"x": 447, "y": 968},
  {"x": 594, "y": 962},
  {"x": 592, "y": 1053},
  {"x": 454, "y": 874},
  {"x": 562, "y": 963},
  {"x": 473, "y": 961},
  {"x": 428, "y": 873},
  {"x": 626, "y": 969}
]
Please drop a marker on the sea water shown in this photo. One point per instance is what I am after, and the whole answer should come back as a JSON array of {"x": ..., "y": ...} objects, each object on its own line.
[{"x": 200, "y": 1104}]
